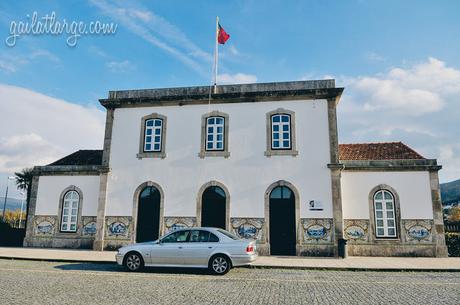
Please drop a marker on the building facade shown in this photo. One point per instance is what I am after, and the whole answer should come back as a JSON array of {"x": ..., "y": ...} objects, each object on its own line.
[{"x": 260, "y": 160}]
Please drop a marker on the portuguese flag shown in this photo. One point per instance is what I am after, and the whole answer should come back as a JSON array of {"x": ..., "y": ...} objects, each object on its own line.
[{"x": 222, "y": 36}]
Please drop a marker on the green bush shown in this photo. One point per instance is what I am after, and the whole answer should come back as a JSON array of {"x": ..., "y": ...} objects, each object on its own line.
[{"x": 453, "y": 244}]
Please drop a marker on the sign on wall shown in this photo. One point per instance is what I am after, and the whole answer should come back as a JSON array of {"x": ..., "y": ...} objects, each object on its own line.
[{"x": 315, "y": 205}]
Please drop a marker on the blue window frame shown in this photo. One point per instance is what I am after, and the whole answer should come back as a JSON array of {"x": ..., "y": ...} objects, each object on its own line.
[
  {"x": 215, "y": 133},
  {"x": 153, "y": 135},
  {"x": 281, "y": 132}
]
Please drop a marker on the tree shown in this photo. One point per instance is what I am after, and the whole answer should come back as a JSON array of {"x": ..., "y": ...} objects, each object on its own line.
[
  {"x": 12, "y": 217},
  {"x": 454, "y": 214},
  {"x": 24, "y": 183}
]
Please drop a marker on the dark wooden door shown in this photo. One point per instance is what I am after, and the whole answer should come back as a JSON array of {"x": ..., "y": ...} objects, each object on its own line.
[
  {"x": 213, "y": 211},
  {"x": 282, "y": 222},
  {"x": 148, "y": 215}
]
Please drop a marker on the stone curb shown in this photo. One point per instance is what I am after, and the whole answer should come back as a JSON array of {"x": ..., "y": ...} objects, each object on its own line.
[
  {"x": 352, "y": 268},
  {"x": 64, "y": 260}
]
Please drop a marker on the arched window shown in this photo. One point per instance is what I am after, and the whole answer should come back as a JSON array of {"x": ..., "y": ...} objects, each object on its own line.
[
  {"x": 385, "y": 214},
  {"x": 69, "y": 215}
]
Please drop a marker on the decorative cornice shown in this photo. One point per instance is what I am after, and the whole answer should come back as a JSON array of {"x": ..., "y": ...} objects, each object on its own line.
[
  {"x": 244, "y": 93},
  {"x": 69, "y": 170},
  {"x": 391, "y": 165},
  {"x": 338, "y": 166}
]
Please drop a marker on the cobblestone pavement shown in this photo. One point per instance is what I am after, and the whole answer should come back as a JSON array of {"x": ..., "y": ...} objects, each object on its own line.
[{"x": 31, "y": 282}]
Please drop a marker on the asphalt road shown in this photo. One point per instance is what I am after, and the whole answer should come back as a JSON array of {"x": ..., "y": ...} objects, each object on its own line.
[{"x": 31, "y": 282}]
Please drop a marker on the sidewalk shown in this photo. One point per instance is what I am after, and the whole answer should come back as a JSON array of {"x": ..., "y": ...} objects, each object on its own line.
[{"x": 350, "y": 263}]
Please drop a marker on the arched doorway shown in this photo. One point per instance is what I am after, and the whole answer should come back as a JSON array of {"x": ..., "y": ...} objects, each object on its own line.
[
  {"x": 214, "y": 207},
  {"x": 148, "y": 214},
  {"x": 282, "y": 220}
]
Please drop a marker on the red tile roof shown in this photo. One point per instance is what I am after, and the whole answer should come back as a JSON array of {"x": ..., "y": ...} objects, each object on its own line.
[{"x": 377, "y": 151}]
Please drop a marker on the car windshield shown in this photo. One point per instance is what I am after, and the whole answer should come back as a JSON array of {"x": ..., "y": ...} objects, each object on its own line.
[{"x": 228, "y": 234}]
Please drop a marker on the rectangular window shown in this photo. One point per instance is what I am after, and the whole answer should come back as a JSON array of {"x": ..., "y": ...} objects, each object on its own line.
[
  {"x": 215, "y": 134},
  {"x": 153, "y": 135},
  {"x": 281, "y": 131}
]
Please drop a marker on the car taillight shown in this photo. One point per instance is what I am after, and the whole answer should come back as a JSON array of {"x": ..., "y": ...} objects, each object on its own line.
[{"x": 250, "y": 248}]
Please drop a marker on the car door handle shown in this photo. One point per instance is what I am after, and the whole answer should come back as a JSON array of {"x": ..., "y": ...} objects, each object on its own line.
[
  {"x": 209, "y": 247},
  {"x": 180, "y": 247}
]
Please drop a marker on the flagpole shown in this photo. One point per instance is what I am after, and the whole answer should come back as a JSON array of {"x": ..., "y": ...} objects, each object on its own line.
[{"x": 216, "y": 54}]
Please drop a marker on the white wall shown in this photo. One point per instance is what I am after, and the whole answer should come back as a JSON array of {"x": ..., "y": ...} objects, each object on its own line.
[
  {"x": 247, "y": 173},
  {"x": 51, "y": 187},
  {"x": 413, "y": 189}
]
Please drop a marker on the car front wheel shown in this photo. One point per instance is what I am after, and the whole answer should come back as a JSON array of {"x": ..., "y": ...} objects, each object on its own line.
[
  {"x": 219, "y": 264},
  {"x": 133, "y": 261}
]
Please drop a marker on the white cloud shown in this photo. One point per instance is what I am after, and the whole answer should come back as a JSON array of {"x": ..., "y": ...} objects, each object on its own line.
[
  {"x": 98, "y": 51},
  {"x": 159, "y": 32},
  {"x": 7, "y": 66},
  {"x": 44, "y": 53},
  {"x": 21, "y": 149},
  {"x": 238, "y": 78},
  {"x": 120, "y": 66},
  {"x": 11, "y": 62},
  {"x": 36, "y": 129},
  {"x": 418, "y": 105},
  {"x": 145, "y": 16},
  {"x": 372, "y": 56},
  {"x": 147, "y": 25},
  {"x": 415, "y": 91},
  {"x": 233, "y": 50}
]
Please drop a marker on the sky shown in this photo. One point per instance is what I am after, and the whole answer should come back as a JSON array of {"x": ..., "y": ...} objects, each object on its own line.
[{"x": 398, "y": 61}]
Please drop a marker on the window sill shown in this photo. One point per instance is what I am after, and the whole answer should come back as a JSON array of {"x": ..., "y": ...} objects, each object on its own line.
[
  {"x": 69, "y": 235},
  {"x": 386, "y": 240},
  {"x": 274, "y": 152},
  {"x": 204, "y": 154},
  {"x": 142, "y": 155}
]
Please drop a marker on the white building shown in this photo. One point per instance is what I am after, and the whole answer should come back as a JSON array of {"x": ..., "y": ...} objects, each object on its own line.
[{"x": 261, "y": 160}]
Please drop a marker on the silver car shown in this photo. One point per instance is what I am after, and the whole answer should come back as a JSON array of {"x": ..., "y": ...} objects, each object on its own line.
[{"x": 212, "y": 248}]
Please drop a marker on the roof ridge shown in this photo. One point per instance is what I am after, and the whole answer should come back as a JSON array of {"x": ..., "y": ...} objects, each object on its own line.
[{"x": 364, "y": 143}]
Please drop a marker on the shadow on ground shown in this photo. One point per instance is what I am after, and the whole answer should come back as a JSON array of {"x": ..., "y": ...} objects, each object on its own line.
[{"x": 117, "y": 268}]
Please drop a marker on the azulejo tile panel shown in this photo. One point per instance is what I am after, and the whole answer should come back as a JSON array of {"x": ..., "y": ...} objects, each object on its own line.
[
  {"x": 249, "y": 228},
  {"x": 356, "y": 230},
  {"x": 44, "y": 225},
  {"x": 174, "y": 223},
  {"x": 418, "y": 230},
  {"x": 89, "y": 226},
  {"x": 117, "y": 227},
  {"x": 317, "y": 230}
]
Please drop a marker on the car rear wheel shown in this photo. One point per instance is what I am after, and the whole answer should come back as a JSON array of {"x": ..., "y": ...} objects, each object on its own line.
[
  {"x": 219, "y": 264},
  {"x": 133, "y": 261}
]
